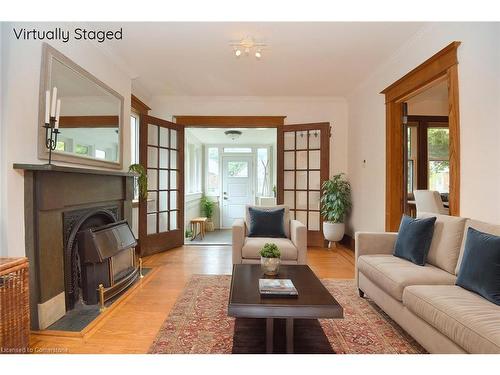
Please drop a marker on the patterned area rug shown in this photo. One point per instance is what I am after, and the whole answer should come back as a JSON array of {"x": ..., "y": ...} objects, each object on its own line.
[{"x": 198, "y": 323}]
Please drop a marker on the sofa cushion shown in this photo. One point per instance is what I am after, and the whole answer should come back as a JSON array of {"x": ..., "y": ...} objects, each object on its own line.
[
  {"x": 393, "y": 274},
  {"x": 253, "y": 245},
  {"x": 414, "y": 239},
  {"x": 266, "y": 223},
  {"x": 480, "y": 268},
  {"x": 480, "y": 226},
  {"x": 446, "y": 241},
  {"x": 464, "y": 317},
  {"x": 286, "y": 219}
]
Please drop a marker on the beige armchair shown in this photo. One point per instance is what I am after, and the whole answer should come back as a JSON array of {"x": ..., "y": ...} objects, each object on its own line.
[
  {"x": 430, "y": 201},
  {"x": 293, "y": 248}
]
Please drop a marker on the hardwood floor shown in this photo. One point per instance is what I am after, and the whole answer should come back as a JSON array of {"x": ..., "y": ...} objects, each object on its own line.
[{"x": 133, "y": 323}]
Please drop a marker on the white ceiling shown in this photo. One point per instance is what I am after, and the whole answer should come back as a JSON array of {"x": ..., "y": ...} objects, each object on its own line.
[
  {"x": 303, "y": 59},
  {"x": 250, "y": 136}
]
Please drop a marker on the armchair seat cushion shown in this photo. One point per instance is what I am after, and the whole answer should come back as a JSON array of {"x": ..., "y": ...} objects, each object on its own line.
[
  {"x": 253, "y": 245},
  {"x": 394, "y": 274}
]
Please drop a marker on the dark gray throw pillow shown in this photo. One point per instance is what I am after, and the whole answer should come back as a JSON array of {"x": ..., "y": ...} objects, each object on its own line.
[
  {"x": 480, "y": 268},
  {"x": 414, "y": 239},
  {"x": 266, "y": 223}
]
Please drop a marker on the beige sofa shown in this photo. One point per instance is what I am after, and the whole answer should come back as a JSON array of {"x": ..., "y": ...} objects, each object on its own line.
[
  {"x": 442, "y": 317},
  {"x": 293, "y": 248}
]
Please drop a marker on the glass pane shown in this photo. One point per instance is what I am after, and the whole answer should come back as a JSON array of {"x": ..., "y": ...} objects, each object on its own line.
[
  {"x": 237, "y": 168},
  {"x": 173, "y": 220},
  {"x": 173, "y": 200},
  {"x": 439, "y": 175},
  {"x": 314, "y": 180},
  {"x": 314, "y": 160},
  {"x": 301, "y": 159},
  {"x": 163, "y": 158},
  {"x": 173, "y": 159},
  {"x": 410, "y": 176},
  {"x": 163, "y": 221},
  {"x": 173, "y": 138},
  {"x": 438, "y": 143},
  {"x": 151, "y": 202},
  {"x": 314, "y": 139},
  {"x": 289, "y": 198},
  {"x": 314, "y": 200},
  {"x": 152, "y": 179},
  {"x": 302, "y": 140},
  {"x": 301, "y": 180},
  {"x": 289, "y": 140},
  {"x": 151, "y": 226},
  {"x": 163, "y": 201},
  {"x": 163, "y": 180},
  {"x": 301, "y": 216},
  {"x": 152, "y": 157},
  {"x": 292, "y": 215},
  {"x": 153, "y": 135},
  {"x": 173, "y": 179},
  {"x": 289, "y": 160},
  {"x": 238, "y": 150},
  {"x": 314, "y": 221},
  {"x": 301, "y": 199},
  {"x": 289, "y": 180},
  {"x": 213, "y": 171},
  {"x": 164, "y": 137}
]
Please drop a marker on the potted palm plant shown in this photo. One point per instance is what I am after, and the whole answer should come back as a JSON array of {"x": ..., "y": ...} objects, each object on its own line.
[
  {"x": 335, "y": 204},
  {"x": 207, "y": 210}
]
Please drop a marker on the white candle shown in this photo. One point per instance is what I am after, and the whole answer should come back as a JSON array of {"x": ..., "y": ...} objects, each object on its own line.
[
  {"x": 47, "y": 106},
  {"x": 58, "y": 112},
  {"x": 54, "y": 98}
]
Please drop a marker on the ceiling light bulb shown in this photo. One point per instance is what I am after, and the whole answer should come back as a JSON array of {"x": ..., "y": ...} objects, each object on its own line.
[
  {"x": 258, "y": 54},
  {"x": 237, "y": 53}
]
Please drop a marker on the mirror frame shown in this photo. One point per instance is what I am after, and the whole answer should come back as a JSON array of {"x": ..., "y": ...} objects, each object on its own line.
[{"x": 49, "y": 53}]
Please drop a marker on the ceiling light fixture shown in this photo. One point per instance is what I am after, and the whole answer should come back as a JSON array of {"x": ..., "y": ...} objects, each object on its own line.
[
  {"x": 233, "y": 134},
  {"x": 248, "y": 45}
]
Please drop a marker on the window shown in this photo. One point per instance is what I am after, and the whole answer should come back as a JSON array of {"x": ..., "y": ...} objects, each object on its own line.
[
  {"x": 82, "y": 150},
  {"x": 213, "y": 171},
  {"x": 412, "y": 157},
  {"x": 238, "y": 150},
  {"x": 263, "y": 172},
  {"x": 61, "y": 146},
  {"x": 438, "y": 141},
  {"x": 237, "y": 169},
  {"x": 193, "y": 168},
  {"x": 134, "y": 148}
]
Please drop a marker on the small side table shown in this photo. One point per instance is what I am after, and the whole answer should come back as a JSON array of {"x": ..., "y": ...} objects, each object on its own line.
[{"x": 198, "y": 226}]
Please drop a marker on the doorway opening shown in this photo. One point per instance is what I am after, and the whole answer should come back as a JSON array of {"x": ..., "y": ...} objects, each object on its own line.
[{"x": 226, "y": 168}]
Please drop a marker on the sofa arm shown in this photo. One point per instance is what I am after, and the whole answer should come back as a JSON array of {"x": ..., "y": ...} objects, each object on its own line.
[
  {"x": 370, "y": 243},
  {"x": 238, "y": 233},
  {"x": 298, "y": 236}
]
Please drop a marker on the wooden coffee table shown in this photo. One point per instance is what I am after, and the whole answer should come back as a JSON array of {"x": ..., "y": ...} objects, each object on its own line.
[{"x": 313, "y": 302}]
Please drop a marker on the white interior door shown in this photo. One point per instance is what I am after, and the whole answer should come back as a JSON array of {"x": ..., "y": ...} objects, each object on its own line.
[{"x": 237, "y": 187}]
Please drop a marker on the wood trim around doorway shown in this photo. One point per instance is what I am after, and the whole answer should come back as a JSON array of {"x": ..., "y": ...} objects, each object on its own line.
[
  {"x": 228, "y": 121},
  {"x": 442, "y": 66}
]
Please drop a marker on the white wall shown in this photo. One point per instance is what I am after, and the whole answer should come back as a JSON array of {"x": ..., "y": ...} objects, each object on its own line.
[
  {"x": 297, "y": 109},
  {"x": 479, "y": 86},
  {"x": 21, "y": 61},
  {"x": 3, "y": 195}
]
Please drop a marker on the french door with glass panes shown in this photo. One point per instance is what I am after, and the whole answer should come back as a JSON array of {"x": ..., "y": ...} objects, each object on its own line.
[
  {"x": 161, "y": 215},
  {"x": 303, "y": 165}
]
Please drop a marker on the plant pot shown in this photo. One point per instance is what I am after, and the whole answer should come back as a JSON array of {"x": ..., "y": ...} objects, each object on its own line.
[
  {"x": 209, "y": 225},
  {"x": 270, "y": 266},
  {"x": 333, "y": 232}
]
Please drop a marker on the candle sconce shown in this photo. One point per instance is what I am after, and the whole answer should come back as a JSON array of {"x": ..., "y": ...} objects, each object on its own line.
[{"x": 51, "y": 132}]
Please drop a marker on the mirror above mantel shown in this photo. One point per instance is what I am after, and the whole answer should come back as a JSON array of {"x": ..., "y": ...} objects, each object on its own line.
[{"x": 91, "y": 114}]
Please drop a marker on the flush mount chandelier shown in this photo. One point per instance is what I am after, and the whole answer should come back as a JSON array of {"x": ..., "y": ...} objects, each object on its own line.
[
  {"x": 233, "y": 134},
  {"x": 248, "y": 46}
]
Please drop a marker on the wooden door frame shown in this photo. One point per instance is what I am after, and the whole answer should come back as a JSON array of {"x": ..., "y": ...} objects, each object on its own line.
[
  {"x": 442, "y": 66},
  {"x": 229, "y": 121}
]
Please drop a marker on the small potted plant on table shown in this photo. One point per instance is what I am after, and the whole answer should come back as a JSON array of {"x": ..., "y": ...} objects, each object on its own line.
[
  {"x": 270, "y": 259},
  {"x": 335, "y": 204}
]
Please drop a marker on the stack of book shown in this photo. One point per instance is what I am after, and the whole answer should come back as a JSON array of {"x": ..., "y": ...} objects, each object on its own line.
[{"x": 277, "y": 287}]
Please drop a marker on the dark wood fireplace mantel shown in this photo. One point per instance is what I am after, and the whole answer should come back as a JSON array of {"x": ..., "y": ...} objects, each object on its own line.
[{"x": 53, "y": 196}]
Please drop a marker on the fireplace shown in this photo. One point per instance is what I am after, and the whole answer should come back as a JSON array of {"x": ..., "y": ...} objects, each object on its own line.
[
  {"x": 62, "y": 203},
  {"x": 99, "y": 256}
]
